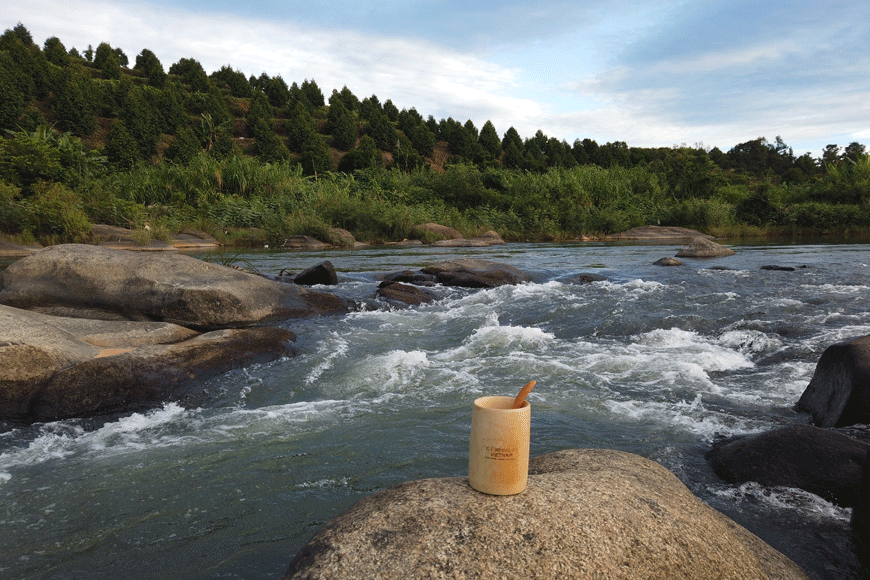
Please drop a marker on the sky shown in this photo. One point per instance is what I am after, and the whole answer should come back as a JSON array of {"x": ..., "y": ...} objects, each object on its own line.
[{"x": 662, "y": 73}]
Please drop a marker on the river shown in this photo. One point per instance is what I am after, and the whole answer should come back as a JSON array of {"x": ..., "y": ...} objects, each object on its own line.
[{"x": 231, "y": 477}]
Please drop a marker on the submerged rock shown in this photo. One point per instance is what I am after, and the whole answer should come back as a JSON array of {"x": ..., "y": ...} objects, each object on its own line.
[
  {"x": 95, "y": 282},
  {"x": 585, "y": 514},
  {"x": 839, "y": 392},
  {"x": 397, "y": 293},
  {"x": 819, "y": 461},
  {"x": 704, "y": 248},
  {"x": 667, "y": 262}
]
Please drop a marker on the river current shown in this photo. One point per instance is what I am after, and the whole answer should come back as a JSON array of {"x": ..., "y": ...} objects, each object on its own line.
[{"x": 230, "y": 478}]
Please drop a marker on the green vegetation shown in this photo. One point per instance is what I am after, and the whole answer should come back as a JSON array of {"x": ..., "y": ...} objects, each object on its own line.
[{"x": 252, "y": 160}]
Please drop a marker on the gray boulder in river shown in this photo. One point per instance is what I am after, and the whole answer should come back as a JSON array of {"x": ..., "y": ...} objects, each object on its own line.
[
  {"x": 471, "y": 273},
  {"x": 839, "y": 392},
  {"x": 53, "y": 367},
  {"x": 586, "y": 514},
  {"x": 704, "y": 248},
  {"x": 94, "y": 282},
  {"x": 820, "y": 461}
]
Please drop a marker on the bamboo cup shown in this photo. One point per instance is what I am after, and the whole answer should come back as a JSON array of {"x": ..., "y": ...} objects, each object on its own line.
[{"x": 498, "y": 456}]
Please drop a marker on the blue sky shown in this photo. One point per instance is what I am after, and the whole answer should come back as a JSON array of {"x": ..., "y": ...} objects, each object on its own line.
[{"x": 712, "y": 73}]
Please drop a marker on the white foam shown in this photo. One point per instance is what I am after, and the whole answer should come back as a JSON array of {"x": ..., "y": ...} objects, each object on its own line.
[
  {"x": 784, "y": 498},
  {"x": 335, "y": 347},
  {"x": 689, "y": 417}
]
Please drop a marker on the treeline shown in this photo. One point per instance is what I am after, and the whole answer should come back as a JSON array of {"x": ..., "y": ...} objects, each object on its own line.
[{"x": 90, "y": 138}]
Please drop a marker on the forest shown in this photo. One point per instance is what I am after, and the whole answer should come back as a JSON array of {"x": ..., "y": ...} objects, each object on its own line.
[{"x": 89, "y": 137}]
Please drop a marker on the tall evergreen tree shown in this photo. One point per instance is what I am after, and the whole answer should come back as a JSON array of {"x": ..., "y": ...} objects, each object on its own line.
[
  {"x": 106, "y": 60},
  {"x": 511, "y": 136},
  {"x": 148, "y": 63},
  {"x": 300, "y": 127},
  {"x": 312, "y": 93},
  {"x": 340, "y": 124},
  {"x": 381, "y": 130},
  {"x": 235, "y": 81},
  {"x": 192, "y": 74},
  {"x": 349, "y": 99},
  {"x": 489, "y": 140},
  {"x": 55, "y": 52},
  {"x": 73, "y": 102},
  {"x": 121, "y": 148}
]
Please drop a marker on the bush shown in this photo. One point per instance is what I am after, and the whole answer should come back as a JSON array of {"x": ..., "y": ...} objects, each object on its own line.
[{"x": 54, "y": 214}]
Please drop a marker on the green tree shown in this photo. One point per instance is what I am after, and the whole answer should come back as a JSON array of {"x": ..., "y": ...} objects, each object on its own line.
[
  {"x": 106, "y": 60},
  {"x": 29, "y": 65},
  {"x": 192, "y": 74},
  {"x": 13, "y": 99},
  {"x": 55, "y": 52},
  {"x": 141, "y": 120},
  {"x": 391, "y": 111},
  {"x": 121, "y": 148},
  {"x": 259, "y": 111},
  {"x": 122, "y": 57},
  {"x": 366, "y": 155},
  {"x": 314, "y": 157},
  {"x": 25, "y": 160},
  {"x": 340, "y": 124},
  {"x": 300, "y": 126},
  {"x": 184, "y": 147},
  {"x": 349, "y": 99},
  {"x": 235, "y": 81},
  {"x": 148, "y": 64},
  {"x": 170, "y": 107},
  {"x": 73, "y": 101},
  {"x": 312, "y": 93},
  {"x": 511, "y": 136},
  {"x": 489, "y": 140},
  {"x": 381, "y": 130}
]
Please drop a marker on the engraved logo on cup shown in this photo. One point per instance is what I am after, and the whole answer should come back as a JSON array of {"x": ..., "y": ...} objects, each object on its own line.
[{"x": 501, "y": 452}]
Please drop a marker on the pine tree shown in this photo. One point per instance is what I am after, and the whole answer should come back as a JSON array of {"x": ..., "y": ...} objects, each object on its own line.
[
  {"x": 148, "y": 63},
  {"x": 121, "y": 148},
  {"x": 489, "y": 140},
  {"x": 341, "y": 125}
]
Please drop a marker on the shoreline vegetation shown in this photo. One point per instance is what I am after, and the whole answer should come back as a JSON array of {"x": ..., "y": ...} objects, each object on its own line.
[{"x": 88, "y": 139}]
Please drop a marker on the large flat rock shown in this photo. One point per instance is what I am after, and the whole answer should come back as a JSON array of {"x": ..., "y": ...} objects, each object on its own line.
[
  {"x": 55, "y": 367},
  {"x": 97, "y": 282},
  {"x": 586, "y": 514}
]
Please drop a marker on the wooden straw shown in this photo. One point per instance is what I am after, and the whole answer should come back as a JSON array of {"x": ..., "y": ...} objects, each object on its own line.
[{"x": 518, "y": 402}]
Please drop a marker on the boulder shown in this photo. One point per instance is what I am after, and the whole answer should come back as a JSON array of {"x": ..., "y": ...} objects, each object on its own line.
[
  {"x": 861, "y": 516},
  {"x": 839, "y": 392},
  {"x": 323, "y": 273},
  {"x": 341, "y": 237},
  {"x": 819, "y": 461},
  {"x": 397, "y": 293},
  {"x": 776, "y": 268},
  {"x": 95, "y": 282},
  {"x": 471, "y": 273},
  {"x": 412, "y": 277},
  {"x": 667, "y": 262},
  {"x": 491, "y": 237},
  {"x": 304, "y": 243},
  {"x": 433, "y": 232},
  {"x": 586, "y": 514},
  {"x": 584, "y": 278},
  {"x": 10, "y": 250},
  {"x": 55, "y": 367},
  {"x": 704, "y": 248},
  {"x": 663, "y": 234},
  {"x": 488, "y": 238}
]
